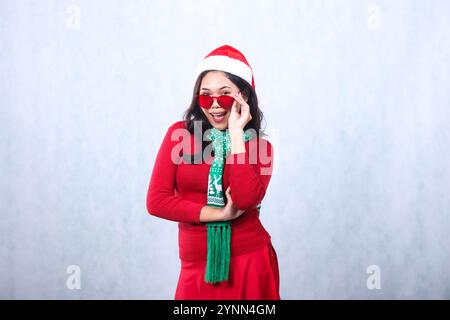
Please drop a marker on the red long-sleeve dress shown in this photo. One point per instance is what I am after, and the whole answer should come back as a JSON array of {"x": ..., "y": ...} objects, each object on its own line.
[{"x": 178, "y": 191}]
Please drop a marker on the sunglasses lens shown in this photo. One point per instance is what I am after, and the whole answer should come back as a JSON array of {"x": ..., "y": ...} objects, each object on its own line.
[
  {"x": 225, "y": 101},
  {"x": 205, "y": 101}
]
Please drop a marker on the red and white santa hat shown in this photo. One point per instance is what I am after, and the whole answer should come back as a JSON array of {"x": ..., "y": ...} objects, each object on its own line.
[{"x": 226, "y": 58}]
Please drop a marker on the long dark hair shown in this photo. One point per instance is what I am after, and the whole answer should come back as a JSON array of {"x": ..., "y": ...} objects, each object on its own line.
[{"x": 194, "y": 113}]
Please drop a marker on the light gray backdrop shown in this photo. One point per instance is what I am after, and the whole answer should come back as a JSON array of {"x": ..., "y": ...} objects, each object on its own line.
[{"x": 356, "y": 94}]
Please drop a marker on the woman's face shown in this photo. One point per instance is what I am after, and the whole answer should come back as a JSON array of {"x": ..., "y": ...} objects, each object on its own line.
[{"x": 216, "y": 83}]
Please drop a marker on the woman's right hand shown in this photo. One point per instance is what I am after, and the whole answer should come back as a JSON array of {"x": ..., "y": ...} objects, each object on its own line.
[
  {"x": 214, "y": 214},
  {"x": 230, "y": 211}
]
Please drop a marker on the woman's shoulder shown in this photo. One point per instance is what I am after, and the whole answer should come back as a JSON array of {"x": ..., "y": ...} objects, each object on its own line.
[
  {"x": 178, "y": 125},
  {"x": 260, "y": 145},
  {"x": 262, "y": 138}
]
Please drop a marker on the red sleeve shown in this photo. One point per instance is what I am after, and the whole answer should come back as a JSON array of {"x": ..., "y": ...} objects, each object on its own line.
[
  {"x": 250, "y": 173},
  {"x": 161, "y": 198}
]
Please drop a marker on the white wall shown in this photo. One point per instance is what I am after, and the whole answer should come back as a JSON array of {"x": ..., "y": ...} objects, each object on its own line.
[{"x": 358, "y": 92}]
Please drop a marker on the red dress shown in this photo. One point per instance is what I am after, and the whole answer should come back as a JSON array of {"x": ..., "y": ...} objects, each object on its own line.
[{"x": 178, "y": 191}]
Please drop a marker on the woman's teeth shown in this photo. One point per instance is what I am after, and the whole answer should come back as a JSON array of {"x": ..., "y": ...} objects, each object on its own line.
[{"x": 218, "y": 117}]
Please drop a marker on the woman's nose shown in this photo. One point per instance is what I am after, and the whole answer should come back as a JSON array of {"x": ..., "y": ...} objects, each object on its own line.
[{"x": 215, "y": 103}]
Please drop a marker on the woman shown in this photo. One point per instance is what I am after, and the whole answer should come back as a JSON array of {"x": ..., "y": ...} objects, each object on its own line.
[{"x": 225, "y": 251}]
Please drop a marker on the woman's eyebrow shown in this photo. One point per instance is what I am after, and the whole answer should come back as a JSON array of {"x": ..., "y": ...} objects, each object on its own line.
[{"x": 219, "y": 89}]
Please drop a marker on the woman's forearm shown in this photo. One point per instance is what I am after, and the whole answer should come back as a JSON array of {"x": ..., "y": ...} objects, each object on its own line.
[{"x": 211, "y": 214}]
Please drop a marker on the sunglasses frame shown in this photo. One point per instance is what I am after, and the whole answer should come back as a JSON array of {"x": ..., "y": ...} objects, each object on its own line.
[{"x": 217, "y": 99}]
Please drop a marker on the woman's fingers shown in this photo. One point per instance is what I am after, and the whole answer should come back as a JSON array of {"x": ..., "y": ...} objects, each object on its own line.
[
  {"x": 239, "y": 213},
  {"x": 228, "y": 195},
  {"x": 244, "y": 107},
  {"x": 234, "y": 109},
  {"x": 238, "y": 99},
  {"x": 245, "y": 111},
  {"x": 232, "y": 211}
]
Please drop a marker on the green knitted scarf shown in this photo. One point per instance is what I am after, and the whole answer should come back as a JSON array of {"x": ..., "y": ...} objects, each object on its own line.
[{"x": 219, "y": 233}]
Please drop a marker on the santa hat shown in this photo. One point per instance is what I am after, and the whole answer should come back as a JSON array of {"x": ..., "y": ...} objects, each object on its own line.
[{"x": 226, "y": 58}]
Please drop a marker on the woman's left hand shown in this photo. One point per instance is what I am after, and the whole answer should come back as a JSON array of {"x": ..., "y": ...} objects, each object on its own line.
[{"x": 240, "y": 113}]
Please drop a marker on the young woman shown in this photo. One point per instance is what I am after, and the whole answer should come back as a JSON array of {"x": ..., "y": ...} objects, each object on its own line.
[{"x": 210, "y": 175}]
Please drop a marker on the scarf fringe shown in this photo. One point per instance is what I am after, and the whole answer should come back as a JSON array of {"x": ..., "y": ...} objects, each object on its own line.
[{"x": 218, "y": 259}]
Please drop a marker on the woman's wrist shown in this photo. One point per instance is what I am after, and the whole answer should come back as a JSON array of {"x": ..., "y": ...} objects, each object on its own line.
[
  {"x": 211, "y": 214},
  {"x": 237, "y": 140}
]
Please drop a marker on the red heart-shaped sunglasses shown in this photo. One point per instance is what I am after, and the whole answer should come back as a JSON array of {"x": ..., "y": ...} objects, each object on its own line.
[{"x": 206, "y": 101}]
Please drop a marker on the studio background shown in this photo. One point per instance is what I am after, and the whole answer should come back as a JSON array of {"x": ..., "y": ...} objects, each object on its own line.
[{"x": 356, "y": 98}]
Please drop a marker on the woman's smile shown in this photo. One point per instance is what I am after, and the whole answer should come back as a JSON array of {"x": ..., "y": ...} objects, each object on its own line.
[{"x": 219, "y": 116}]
